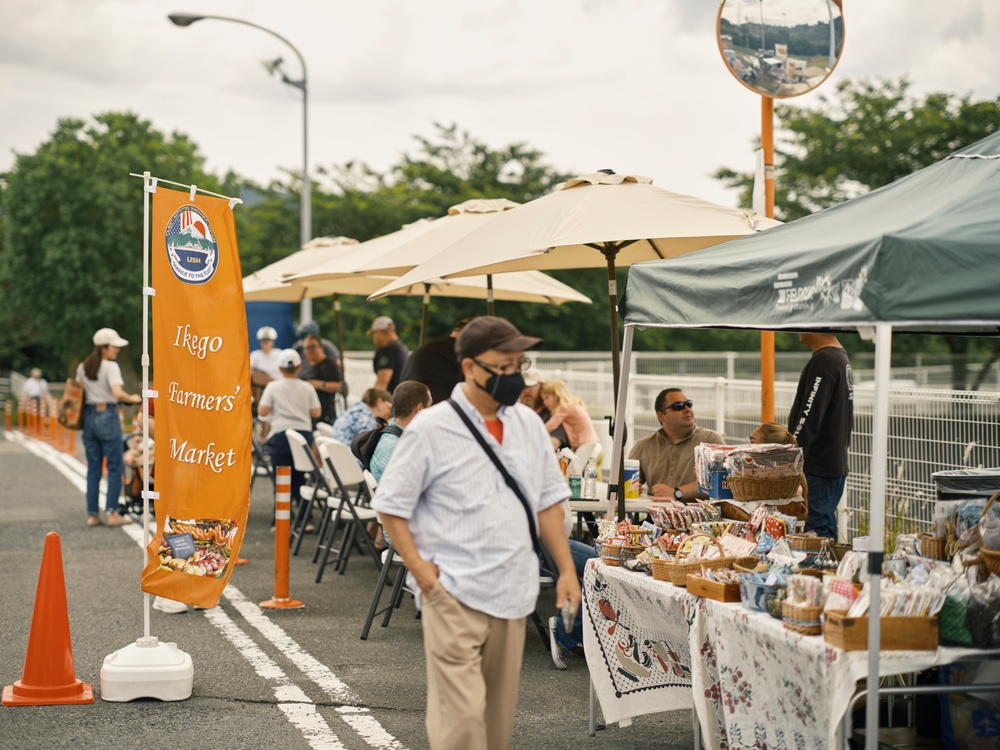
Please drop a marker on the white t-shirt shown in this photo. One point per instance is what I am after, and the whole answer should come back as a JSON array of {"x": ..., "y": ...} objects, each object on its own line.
[
  {"x": 99, "y": 391},
  {"x": 267, "y": 363},
  {"x": 290, "y": 400},
  {"x": 35, "y": 387}
]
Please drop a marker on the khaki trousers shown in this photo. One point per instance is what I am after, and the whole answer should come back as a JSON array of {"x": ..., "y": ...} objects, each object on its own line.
[{"x": 473, "y": 668}]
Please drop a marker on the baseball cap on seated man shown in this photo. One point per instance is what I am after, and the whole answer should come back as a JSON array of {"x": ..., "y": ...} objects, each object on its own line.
[
  {"x": 381, "y": 323},
  {"x": 109, "y": 336},
  {"x": 487, "y": 332},
  {"x": 289, "y": 358}
]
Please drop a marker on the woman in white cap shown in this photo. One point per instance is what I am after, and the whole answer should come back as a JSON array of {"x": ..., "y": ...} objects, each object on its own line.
[{"x": 102, "y": 431}]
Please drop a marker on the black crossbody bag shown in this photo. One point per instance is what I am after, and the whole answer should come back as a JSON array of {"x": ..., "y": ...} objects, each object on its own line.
[{"x": 511, "y": 482}]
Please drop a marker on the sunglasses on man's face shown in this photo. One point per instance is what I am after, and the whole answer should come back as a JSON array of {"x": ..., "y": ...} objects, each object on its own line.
[{"x": 679, "y": 405}]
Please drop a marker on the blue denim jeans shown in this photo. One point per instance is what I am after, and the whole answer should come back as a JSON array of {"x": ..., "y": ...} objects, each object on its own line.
[
  {"x": 824, "y": 496},
  {"x": 102, "y": 439},
  {"x": 581, "y": 554},
  {"x": 280, "y": 454}
]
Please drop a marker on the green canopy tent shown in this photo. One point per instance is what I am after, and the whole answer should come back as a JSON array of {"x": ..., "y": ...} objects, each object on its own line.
[{"x": 919, "y": 255}]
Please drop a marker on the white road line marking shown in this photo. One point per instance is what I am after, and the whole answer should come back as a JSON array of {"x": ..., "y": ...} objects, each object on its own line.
[
  {"x": 292, "y": 700},
  {"x": 311, "y": 667}
]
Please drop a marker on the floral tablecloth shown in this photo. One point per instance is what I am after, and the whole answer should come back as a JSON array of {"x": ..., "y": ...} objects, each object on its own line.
[
  {"x": 653, "y": 647},
  {"x": 635, "y": 634},
  {"x": 758, "y": 685}
]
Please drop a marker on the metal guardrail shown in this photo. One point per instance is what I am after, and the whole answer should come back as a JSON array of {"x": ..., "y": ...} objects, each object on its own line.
[{"x": 930, "y": 429}]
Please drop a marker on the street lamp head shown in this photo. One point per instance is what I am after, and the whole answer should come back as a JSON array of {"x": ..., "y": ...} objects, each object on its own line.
[
  {"x": 183, "y": 19},
  {"x": 273, "y": 65}
]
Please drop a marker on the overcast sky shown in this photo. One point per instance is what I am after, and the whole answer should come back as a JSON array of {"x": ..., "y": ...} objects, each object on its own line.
[{"x": 634, "y": 85}]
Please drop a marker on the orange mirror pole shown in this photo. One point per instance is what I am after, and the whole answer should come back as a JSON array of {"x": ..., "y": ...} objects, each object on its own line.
[{"x": 767, "y": 337}]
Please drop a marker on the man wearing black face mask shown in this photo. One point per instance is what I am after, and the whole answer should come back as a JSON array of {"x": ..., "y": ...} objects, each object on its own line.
[{"x": 467, "y": 538}]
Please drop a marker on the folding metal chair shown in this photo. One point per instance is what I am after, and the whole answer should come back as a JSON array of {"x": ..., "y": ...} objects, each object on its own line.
[
  {"x": 389, "y": 560},
  {"x": 353, "y": 513},
  {"x": 259, "y": 460},
  {"x": 316, "y": 490}
]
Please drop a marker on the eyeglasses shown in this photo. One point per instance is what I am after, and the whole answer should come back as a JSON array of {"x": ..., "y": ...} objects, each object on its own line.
[
  {"x": 679, "y": 406},
  {"x": 519, "y": 366},
  {"x": 311, "y": 346}
]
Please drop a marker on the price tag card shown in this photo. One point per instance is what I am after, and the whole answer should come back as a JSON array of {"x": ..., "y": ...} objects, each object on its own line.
[{"x": 181, "y": 545}]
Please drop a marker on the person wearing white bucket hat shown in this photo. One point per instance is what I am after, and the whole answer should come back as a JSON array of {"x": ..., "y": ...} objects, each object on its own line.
[{"x": 102, "y": 430}]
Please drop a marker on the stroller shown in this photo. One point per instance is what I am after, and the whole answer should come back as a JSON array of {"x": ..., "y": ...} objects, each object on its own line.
[{"x": 131, "y": 500}]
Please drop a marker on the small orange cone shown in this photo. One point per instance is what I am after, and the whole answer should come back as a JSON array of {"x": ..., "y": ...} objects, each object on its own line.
[{"x": 48, "y": 677}]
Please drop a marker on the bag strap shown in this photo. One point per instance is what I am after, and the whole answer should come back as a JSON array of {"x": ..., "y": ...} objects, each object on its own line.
[{"x": 511, "y": 482}]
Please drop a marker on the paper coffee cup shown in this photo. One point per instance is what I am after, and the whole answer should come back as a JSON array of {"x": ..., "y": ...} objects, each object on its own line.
[{"x": 630, "y": 479}]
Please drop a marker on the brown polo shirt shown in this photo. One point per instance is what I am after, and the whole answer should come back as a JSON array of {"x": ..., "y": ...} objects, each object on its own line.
[{"x": 663, "y": 462}]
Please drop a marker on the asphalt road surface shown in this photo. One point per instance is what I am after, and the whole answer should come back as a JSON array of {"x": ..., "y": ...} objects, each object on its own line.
[{"x": 263, "y": 678}]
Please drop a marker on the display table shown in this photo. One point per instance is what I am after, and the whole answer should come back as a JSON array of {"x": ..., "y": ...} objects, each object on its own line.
[
  {"x": 753, "y": 683},
  {"x": 636, "y": 636}
]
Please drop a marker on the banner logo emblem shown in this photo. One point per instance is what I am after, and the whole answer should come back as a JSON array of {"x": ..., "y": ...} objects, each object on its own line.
[{"x": 191, "y": 247}]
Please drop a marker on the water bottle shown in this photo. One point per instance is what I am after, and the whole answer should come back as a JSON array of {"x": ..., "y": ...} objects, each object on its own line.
[{"x": 589, "y": 489}]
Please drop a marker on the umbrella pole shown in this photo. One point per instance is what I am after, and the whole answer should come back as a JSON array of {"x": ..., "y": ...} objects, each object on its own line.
[
  {"x": 610, "y": 251},
  {"x": 336, "y": 318},
  {"x": 489, "y": 294},
  {"x": 425, "y": 313}
]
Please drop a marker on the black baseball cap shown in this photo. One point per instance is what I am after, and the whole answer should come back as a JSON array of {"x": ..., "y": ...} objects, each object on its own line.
[{"x": 487, "y": 332}]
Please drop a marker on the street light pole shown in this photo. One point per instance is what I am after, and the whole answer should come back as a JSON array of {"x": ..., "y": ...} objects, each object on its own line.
[{"x": 305, "y": 217}]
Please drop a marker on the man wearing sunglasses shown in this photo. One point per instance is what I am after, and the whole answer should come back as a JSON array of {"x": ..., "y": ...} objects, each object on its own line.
[{"x": 666, "y": 458}]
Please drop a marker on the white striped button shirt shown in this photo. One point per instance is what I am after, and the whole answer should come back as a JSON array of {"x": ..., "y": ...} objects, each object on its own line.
[{"x": 461, "y": 513}]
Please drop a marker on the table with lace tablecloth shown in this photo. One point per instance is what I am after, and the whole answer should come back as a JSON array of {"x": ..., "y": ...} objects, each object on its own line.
[{"x": 653, "y": 647}]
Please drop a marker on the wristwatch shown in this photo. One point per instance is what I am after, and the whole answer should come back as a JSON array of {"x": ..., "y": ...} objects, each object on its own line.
[{"x": 679, "y": 493}]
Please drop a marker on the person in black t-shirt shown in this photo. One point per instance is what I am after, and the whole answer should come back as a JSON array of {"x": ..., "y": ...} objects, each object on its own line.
[
  {"x": 435, "y": 364},
  {"x": 323, "y": 374},
  {"x": 390, "y": 353},
  {"x": 821, "y": 419}
]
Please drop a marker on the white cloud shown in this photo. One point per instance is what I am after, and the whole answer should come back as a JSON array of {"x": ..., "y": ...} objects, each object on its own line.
[{"x": 636, "y": 86}]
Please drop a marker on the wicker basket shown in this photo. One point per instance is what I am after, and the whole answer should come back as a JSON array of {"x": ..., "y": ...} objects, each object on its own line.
[
  {"x": 797, "y": 508},
  {"x": 733, "y": 512},
  {"x": 933, "y": 546},
  {"x": 803, "y": 620},
  {"x": 807, "y": 543},
  {"x": 616, "y": 554},
  {"x": 661, "y": 569},
  {"x": 988, "y": 558},
  {"x": 680, "y": 567},
  {"x": 746, "y": 564},
  {"x": 748, "y": 488}
]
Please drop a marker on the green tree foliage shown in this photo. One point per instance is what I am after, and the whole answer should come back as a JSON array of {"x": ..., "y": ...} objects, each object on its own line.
[
  {"x": 71, "y": 259},
  {"x": 870, "y": 133},
  {"x": 867, "y": 135}
]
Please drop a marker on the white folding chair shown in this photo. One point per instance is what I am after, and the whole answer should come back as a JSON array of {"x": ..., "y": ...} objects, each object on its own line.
[
  {"x": 345, "y": 473},
  {"x": 323, "y": 429},
  {"x": 315, "y": 491},
  {"x": 389, "y": 560}
]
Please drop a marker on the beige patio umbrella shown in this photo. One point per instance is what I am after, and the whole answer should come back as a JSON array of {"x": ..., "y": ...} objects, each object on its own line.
[
  {"x": 596, "y": 220},
  {"x": 519, "y": 286},
  {"x": 266, "y": 285},
  {"x": 388, "y": 256},
  {"x": 599, "y": 220},
  {"x": 396, "y": 253}
]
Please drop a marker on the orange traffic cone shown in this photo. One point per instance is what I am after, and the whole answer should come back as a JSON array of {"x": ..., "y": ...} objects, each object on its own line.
[{"x": 48, "y": 677}]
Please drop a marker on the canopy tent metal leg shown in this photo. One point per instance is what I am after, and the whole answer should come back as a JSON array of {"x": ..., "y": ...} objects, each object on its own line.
[{"x": 876, "y": 521}]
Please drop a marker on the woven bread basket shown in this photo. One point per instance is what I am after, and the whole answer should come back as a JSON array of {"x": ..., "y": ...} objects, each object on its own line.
[
  {"x": 990, "y": 557},
  {"x": 804, "y": 620},
  {"x": 681, "y": 567},
  {"x": 750, "y": 488}
]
